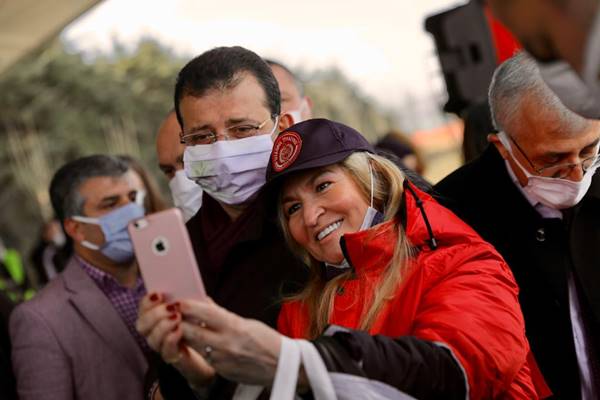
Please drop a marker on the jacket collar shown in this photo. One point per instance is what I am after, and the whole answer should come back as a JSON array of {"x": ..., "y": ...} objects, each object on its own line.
[
  {"x": 426, "y": 225},
  {"x": 212, "y": 218}
]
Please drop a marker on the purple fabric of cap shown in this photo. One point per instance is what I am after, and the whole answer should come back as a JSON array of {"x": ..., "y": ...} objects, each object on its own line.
[{"x": 313, "y": 143}]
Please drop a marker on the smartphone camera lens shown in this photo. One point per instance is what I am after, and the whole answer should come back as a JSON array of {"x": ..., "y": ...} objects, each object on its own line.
[{"x": 140, "y": 224}]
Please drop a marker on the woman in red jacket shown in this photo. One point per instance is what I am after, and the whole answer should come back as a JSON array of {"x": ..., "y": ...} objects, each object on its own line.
[{"x": 420, "y": 303}]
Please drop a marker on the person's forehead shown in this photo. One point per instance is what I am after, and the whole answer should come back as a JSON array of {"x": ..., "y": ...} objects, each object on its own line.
[
  {"x": 285, "y": 80},
  {"x": 544, "y": 131},
  {"x": 247, "y": 99},
  {"x": 99, "y": 187},
  {"x": 134, "y": 180},
  {"x": 299, "y": 181}
]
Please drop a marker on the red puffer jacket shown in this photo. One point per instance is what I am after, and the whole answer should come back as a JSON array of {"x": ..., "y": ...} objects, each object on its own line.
[{"x": 457, "y": 291}]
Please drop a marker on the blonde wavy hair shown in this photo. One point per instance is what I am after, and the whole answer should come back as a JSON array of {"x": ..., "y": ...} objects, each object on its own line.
[{"x": 319, "y": 294}]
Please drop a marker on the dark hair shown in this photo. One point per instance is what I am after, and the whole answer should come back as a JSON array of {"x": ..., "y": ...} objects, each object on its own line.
[
  {"x": 64, "y": 187},
  {"x": 297, "y": 82},
  {"x": 219, "y": 68}
]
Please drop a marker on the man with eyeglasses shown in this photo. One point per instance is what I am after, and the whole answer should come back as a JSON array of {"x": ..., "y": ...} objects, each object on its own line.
[
  {"x": 534, "y": 195},
  {"x": 227, "y": 103}
]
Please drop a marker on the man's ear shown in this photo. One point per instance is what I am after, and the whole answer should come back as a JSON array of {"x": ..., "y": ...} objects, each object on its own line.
[
  {"x": 285, "y": 121},
  {"x": 73, "y": 229},
  {"x": 493, "y": 139},
  {"x": 309, "y": 104}
]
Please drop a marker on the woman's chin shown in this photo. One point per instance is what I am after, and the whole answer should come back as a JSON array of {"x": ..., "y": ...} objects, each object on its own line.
[{"x": 334, "y": 260}]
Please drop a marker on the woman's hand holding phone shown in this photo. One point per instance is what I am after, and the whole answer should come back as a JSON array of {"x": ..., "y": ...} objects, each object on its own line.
[
  {"x": 160, "y": 323},
  {"x": 240, "y": 349}
]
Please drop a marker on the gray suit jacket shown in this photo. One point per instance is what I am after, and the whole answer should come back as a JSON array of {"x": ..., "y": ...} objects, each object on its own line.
[{"x": 70, "y": 343}]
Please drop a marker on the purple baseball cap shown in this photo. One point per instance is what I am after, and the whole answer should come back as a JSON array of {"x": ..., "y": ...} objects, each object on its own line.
[{"x": 313, "y": 143}]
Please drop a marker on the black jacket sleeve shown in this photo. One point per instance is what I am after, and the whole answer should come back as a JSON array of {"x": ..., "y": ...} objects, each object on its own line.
[
  {"x": 173, "y": 386},
  {"x": 422, "y": 369}
]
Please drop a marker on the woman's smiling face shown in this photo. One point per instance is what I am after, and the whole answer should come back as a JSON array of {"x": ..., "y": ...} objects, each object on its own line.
[{"x": 320, "y": 206}]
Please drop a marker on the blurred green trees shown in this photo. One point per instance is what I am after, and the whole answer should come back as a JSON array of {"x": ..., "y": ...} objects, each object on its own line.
[{"x": 60, "y": 104}]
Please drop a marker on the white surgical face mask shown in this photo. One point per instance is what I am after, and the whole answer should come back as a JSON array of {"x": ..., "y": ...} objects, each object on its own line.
[
  {"x": 552, "y": 192},
  {"x": 372, "y": 217},
  {"x": 230, "y": 171},
  {"x": 297, "y": 113},
  {"x": 117, "y": 244},
  {"x": 570, "y": 89},
  {"x": 187, "y": 195}
]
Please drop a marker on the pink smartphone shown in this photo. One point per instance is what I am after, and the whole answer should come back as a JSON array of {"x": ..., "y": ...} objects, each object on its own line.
[{"x": 165, "y": 255}]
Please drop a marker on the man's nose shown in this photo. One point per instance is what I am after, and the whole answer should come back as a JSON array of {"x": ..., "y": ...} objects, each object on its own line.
[
  {"x": 223, "y": 135},
  {"x": 576, "y": 172}
]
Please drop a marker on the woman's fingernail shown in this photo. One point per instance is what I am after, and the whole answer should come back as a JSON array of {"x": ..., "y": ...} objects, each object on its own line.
[
  {"x": 154, "y": 297},
  {"x": 170, "y": 308},
  {"x": 173, "y": 317}
]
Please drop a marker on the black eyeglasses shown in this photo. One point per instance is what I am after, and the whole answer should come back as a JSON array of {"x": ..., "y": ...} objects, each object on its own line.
[{"x": 560, "y": 170}]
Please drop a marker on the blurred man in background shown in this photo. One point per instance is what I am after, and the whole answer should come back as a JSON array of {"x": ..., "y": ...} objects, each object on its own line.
[
  {"x": 564, "y": 37},
  {"x": 76, "y": 338},
  {"x": 535, "y": 196},
  {"x": 187, "y": 195},
  {"x": 293, "y": 99}
]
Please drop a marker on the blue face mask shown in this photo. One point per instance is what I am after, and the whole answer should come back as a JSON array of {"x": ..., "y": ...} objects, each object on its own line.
[{"x": 117, "y": 244}]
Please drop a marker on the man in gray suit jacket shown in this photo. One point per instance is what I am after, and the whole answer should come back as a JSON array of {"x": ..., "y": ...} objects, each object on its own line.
[{"x": 76, "y": 339}]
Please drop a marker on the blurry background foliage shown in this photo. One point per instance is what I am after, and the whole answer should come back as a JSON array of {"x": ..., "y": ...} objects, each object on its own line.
[{"x": 59, "y": 105}]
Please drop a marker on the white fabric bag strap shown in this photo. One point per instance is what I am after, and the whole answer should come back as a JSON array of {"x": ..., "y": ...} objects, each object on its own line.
[
  {"x": 286, "y": 376},
  {"x": 316, "y": 371},
  {"x": 288, "y": 366},
  {"x": 293, "y": 353}
]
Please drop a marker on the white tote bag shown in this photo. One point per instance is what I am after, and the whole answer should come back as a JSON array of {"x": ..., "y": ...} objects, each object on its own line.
[{"x": 324, "y": 385}]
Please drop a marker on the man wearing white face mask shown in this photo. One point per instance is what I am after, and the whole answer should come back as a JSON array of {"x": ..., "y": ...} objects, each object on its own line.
[
  {"x": 293, "y": 100},
  {"x": 76, "y": 338},
  {"x": 535, "y": 196},
  {"x": 227, "y": 103},
  {"x": 187, "y": 195}
]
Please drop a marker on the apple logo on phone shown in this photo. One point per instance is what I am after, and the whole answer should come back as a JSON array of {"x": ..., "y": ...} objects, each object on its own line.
[{"x": 160, "y": 246}]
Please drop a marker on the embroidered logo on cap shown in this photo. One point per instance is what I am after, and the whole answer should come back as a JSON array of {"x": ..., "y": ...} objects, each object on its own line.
[{"x": 285, "y": 150}]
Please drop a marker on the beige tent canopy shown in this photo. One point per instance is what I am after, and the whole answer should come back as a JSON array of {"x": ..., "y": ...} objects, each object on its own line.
[{"x": 26, "y": 25}]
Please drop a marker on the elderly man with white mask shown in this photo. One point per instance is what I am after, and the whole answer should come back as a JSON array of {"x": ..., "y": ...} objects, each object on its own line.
[{"x": 535, "y": 196}]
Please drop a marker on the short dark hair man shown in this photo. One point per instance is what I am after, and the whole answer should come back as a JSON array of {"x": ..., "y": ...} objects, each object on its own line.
[
  {"x": 227, "y": 102},
  {"x": 77, "y": 337},
  {"x": 535, "y": 196}
]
